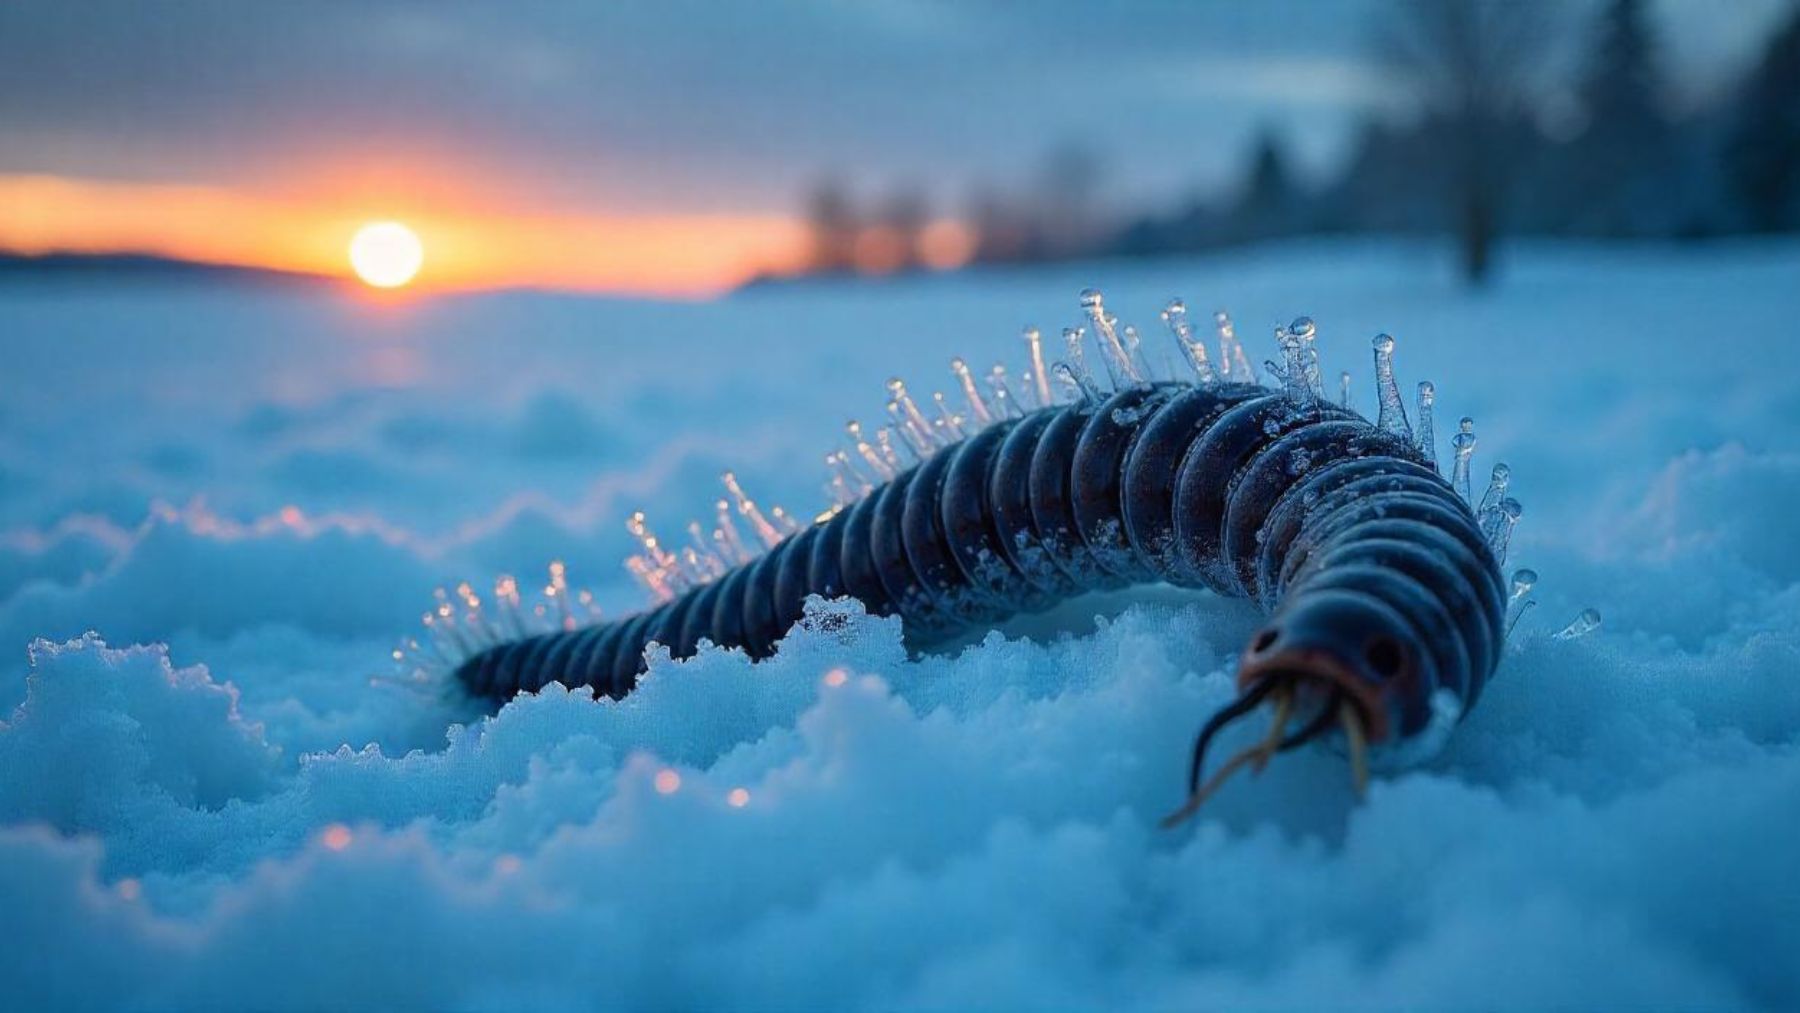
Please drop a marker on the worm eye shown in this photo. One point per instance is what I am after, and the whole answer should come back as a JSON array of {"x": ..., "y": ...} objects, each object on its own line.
[
  {"x": 1264, "y": 640},
  {"x": 1385, "y": 657}
]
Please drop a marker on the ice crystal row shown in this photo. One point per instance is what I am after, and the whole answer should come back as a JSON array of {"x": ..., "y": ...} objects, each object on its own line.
[{"x": 987, "y": 503}]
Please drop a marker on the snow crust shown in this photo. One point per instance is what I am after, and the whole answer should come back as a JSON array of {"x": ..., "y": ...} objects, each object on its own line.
[{"x": 246, "y": 810}]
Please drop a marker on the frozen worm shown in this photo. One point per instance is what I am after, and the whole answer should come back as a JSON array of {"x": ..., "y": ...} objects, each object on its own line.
[{"x": 1382, "y": 583}]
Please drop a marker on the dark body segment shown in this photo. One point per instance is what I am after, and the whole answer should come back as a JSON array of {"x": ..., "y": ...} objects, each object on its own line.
[{"x": 1375, "y": 572}]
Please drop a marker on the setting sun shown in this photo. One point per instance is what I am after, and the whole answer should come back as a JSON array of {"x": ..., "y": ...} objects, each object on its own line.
[{"x": 386, "y": 254}]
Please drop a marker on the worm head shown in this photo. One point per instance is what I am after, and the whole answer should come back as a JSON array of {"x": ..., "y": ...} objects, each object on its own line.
[{"x": 1338, "y": 640}]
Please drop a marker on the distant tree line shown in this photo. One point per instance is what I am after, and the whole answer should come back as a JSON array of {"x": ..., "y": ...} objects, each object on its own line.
[{"x": 1481, "y": 158}]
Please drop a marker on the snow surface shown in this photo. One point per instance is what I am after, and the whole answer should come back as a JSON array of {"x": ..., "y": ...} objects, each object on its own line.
[{"x": 271, "y": 482}]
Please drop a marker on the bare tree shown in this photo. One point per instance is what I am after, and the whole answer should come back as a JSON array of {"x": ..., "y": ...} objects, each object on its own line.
[
  {"x": 833, "y": 225},
  {"x": 1471, "y": 65}
]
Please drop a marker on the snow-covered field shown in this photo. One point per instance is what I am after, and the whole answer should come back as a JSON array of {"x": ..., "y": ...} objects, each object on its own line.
[{"x": 271, "y": 483}]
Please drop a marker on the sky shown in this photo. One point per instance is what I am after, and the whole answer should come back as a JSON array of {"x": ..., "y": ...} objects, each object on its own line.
[{"x": 656, "y": 147}]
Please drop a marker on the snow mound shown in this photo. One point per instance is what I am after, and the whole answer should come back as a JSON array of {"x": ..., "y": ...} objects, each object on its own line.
[{"x": 252, "y": 813}]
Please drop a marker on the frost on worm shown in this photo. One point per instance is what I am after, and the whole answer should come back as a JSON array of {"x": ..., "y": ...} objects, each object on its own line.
[{"x": 1113, "y": 465}]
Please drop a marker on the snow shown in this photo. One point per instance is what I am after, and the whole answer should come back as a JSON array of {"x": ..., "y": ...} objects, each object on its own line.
[{"x": 270, "y": 483}]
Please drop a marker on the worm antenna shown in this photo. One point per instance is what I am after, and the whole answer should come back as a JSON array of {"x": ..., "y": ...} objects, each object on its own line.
[
  {"x": 1523, "y": 580},
  {"x": 1254, "y": 756},
  {"x": 1321, "y": 723},
  {"x": 1244, "y": 704}
]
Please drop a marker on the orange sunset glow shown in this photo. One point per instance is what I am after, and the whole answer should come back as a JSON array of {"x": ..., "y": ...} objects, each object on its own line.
[{"x": 470, "y": 241}]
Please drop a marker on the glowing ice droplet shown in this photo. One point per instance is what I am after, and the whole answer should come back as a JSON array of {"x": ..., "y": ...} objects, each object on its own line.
[{"x": 1585, "y": 623}]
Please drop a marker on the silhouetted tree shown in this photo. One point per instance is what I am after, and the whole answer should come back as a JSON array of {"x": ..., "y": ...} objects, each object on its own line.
[
  {"x": 1266, "y": 205},
  {"x": 834, "y": 229},
  {"x": 1762, "y": 156},
  {"x": 1615, "y": 177},
  {"x": 891, "y": 243},
  {"x": 1067, "y": 220},
  {"x": 1002, "y": 233},
  {"x": 1470, "y": 64}
]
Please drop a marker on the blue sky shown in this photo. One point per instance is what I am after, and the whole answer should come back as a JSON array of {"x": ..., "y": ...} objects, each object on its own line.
[{"x": 697, "y": 107}]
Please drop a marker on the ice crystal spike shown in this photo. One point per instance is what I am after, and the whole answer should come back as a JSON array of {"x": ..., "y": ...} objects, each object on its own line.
[
  {"x": 1523, "y": 580},
  {"x": 978, "y": 409},
  {"x": 731, "y": 544},
  {"x": 557, "y": 590},
  {"x": 1175, "y": 317},
  {"x": 1076, "y": 365},
  {"x": 1517, "y": 604},
  {"x": 917, "y": 443},
  {"x": 1344, "y": 389},
  {"x": 1500, "y": 528},
  {"x": 1427, "y": 435},
  {"x": 1463, "y": 443},
  {"x": 846, "y": 486},
  {"x": 1039, "y": 380},
  {"x": 652, "y": 581},
  {"x": 1308, "y": 333},
  {"x": 1134, "y": 347},
  {"x": 948, "y": 422},
  {"x": 1585, "y": 623},
  {"x": 1293, "y": 364},
  {"x": 1392, "y": 417},
  {"x": 1006, "y": 406},
  {"x": 877, "y": 462},
  {"x": 885, "y": 445},
  {"x": 654, "y": 553},
  {"x": 1078, "y": 381},
  {"x": 769, "y": 533},
  {"x": 657, "y": 568},
  {"x": 1119, "y": 367},
  {"x": 1498, "y": 480},
  {"x": 1233, "y": 365},
  {"x": 910, "y": 410},
  {"x": 784, "y": 523},
  {"x": 701, "y": 545}
]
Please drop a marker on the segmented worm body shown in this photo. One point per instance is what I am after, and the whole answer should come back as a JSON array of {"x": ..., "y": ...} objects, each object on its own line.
[{"x": 1383, "y": 590}]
